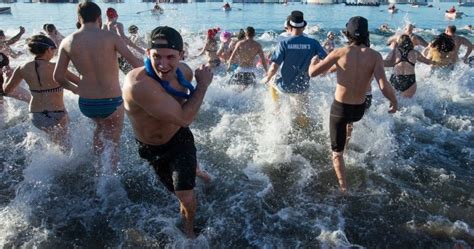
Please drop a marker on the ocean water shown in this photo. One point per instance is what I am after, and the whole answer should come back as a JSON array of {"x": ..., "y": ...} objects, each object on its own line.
[{"x": 410, "y": 174}]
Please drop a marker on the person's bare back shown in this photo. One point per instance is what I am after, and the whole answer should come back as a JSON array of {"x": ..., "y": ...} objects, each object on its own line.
[
  {"x": 355, "y": 67},
  {"x": 246, "y": 51},
  {"x": 99, "y": 78}
]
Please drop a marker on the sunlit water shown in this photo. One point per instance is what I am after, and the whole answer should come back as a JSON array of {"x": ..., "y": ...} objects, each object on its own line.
[{"x": 410, "y": 173}]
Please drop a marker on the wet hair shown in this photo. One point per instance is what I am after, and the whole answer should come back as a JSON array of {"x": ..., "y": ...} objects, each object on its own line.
[
  {"x": 404, "y": 43},
  {"x": 361, "y": 40},
  {"x": 133, "y": 29},
  {"x": 452, "y": 29},
  {"x": 443, "y": 43},
  {"x": 39, "y": 44},
  {"x": 88, "y": 11},
  {"x": 2, "y": 33},
  {"x": 241, "y": 34},
  {"x": 250, "y": 31},
  {"x": 50, "y": 27}
]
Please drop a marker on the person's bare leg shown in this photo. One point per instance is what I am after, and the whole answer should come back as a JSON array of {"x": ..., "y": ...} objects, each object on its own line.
[
  {"x": 409, "y": 92},
  {"x": 59, "y": 133},
  {"x": 188, "y": 205},
  {"x": 108, "y": 131},
  {"x": 349, "y": 128},
  {"x": 339, "y": 167},
  {"x": 203, "y": 174}
]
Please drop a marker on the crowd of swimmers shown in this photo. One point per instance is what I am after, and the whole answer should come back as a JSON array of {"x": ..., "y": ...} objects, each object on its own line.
[{"x": 161, "y": 102}]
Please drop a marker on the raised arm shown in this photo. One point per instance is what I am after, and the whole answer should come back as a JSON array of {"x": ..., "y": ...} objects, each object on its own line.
[
  {"x": 125, "y": 52},
  {"x": 16, "y": 37},
  {"x": 384, "y": 85},
  {"x": 420, "y": 41}
]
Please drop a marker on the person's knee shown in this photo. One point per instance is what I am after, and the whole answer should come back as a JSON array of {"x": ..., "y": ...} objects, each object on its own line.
[
  {"x": 186, "y": 198},
  {"x": 337, "y": 155}
]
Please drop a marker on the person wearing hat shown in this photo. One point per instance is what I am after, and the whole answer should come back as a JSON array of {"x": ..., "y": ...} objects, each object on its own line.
[
  {"x": 5, "y": 44},
  {"x": 117, "y": 27},
  {"x": 93, "y": 52},
  {"x": 355, "y": 64},
  {"x": 161, "y": 104},
  {"x": 294, "y": 55},
  {"x": 223, "y": 51},
  {"x": 246, "y": 51}
]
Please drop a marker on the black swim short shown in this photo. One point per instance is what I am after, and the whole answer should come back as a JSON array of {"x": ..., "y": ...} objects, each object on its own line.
[
  {"x": 243, "y": 78},
  {"x": 174, "y": 162},
  {"x": 402, "y": 82},
  {"x": 341, "y": 115},
  {"x": 124, "y": 65}
]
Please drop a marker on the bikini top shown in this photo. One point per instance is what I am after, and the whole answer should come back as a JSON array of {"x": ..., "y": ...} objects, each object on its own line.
[
  {"x": 166, "y": 85},
  {"x": 51, "y": 90},
  {"x": 404, "y": 57}
]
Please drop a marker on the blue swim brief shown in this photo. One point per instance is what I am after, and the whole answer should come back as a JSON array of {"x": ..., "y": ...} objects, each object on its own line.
[{"x": 99, "y": 108}]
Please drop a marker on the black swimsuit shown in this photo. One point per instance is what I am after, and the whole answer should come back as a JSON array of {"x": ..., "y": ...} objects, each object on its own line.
[{"x": 403, "y": 82}]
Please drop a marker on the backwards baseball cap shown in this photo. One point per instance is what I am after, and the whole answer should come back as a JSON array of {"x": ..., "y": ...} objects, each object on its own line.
[
  {"x": 357, "y": 27},
  {"x": 296, "y": 19},
  {"x": 111, "y": 13},
  {"x": 170, "y": 35}
]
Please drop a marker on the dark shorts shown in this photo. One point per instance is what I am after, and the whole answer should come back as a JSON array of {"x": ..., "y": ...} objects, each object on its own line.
[
  {"x": 174, "y": 162},
  {"x": 124, "y": 65},
  {"x": 402, "y": 82},
  {"x": 341, "y": 115},
  {"x": 243, "y": 78}
]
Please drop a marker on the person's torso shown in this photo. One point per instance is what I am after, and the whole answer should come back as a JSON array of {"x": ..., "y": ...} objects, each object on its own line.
[
  {"x": 149, "y": 129},
  {"x": 96, "y": 62},
  {"x": 355, "y": 69},
  {"x": 46, "y": 94},
  {"x": 248, "y": 52},
  {"x": 298, "y": 52}
]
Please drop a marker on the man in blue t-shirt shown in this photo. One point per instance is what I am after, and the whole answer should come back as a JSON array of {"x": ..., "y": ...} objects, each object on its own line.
[{"x": 294, "y": 54}]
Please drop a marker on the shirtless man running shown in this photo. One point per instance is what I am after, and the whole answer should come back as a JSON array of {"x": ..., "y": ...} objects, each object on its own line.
[
  {"x": 246, "y": 51},
  {"x": 458, "y": 42},
  {"x": 99, "y": 89},
  {"x": 416, "y": 39},
  {"x": 161, "y": 104},
  {"x": 355, "y": 65}
]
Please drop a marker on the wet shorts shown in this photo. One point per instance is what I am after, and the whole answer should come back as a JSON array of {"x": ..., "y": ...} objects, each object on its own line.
[
  {"x": 341, "y": 115},
  {"x": 174, "y": 162},
  {"x": 402, "y": 82},
  {"x": 243, "y": 78},
  {"x": 47, "y": 119}
]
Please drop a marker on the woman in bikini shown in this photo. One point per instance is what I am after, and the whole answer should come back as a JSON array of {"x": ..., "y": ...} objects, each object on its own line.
[
  {"x": 47, "y": 110},
  {"x": 403, "y": 59}
]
